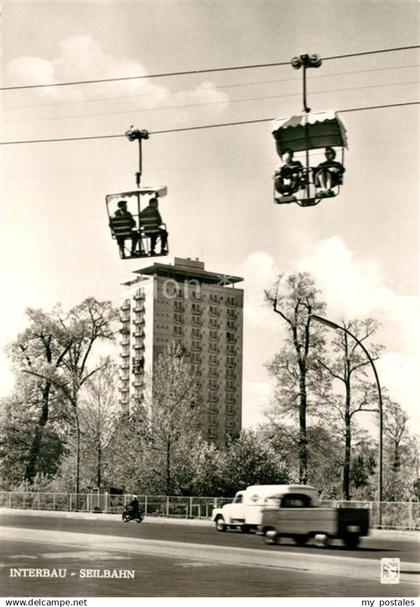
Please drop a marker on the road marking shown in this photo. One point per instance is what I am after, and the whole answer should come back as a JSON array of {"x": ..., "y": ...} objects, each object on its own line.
[{"x": 349, "y": 567}]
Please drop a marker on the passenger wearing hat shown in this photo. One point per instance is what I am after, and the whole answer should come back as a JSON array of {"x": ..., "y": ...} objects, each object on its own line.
[
  {"x": 124, "y": 226},
  {"x": 151, "y": 222}
]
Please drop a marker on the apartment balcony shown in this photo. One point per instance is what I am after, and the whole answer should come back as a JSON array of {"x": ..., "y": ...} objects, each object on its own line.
[
  {"x": 138, "y": 322},
  {"x": 138, "y": 334},
  {"x": 139, "y": 297},
  {"x": 138, "y": 347},
  {"x": 138, "y": 384},
  {"x": 124, "y": 389},
  {"x": 125, "y": 354},
  {"x": 138, "y": 308},
  {"x": 124, "y": 343},
  {"x": 125, "y": 307}
]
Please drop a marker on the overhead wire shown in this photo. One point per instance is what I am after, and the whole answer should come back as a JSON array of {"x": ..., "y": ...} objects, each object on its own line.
[
  {"x": 200, "y": 71},
  {"x": 200, "y": 127},
  {"x": 217, "y": 87},
  {"x": 207, "y": 103}
]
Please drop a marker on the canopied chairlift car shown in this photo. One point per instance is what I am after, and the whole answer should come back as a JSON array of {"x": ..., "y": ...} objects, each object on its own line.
[
  {"x": 135, "y": 226},
  {"x": 306, "y": 178},
  {"x": 307, "y": 133},
  {"x": 134, "y": 237}
]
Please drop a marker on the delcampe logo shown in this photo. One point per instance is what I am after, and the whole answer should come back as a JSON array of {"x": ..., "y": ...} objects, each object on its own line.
[{"x": 390, "y": 571}]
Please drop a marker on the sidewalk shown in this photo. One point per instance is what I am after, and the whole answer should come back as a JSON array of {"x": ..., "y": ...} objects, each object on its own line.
[{"x": 390, "y": 534}]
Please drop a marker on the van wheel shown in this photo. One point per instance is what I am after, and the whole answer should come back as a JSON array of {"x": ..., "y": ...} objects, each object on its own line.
[
  {"x": 220, "y": 524},
  {"x": 322, "y": 540},
  {"x": 351, "y": 541},
  {"x": 301, "y": 540},
  {"x": 271, "y": 537}
]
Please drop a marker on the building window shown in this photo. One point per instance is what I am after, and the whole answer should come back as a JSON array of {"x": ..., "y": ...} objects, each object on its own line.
[
  {"x": 179, "y": 306},
  {"x": 230, "y": 337},
  {"x": 178, "y": 330},
  {"x": 230, "y": 397},
  {"x": 230, "y": 362},
  {"x": 214, "y": 311},
  {"x": 213, "y": 323},
  {"x": 196, "y": 309},
  {"x": 196, "y": 345},
  {"x": 214, "y": 335},
  {"x": 231, "y": 325},
  {"x": 196, "y": 320}
]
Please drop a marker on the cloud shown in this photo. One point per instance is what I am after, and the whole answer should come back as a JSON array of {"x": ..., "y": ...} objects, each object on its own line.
[
  {"x": 259, "y": 272},
  {"x": 82, "y": 58},
  {"x": 352, "y": 288},
  {"x": 356, "y": 288}
]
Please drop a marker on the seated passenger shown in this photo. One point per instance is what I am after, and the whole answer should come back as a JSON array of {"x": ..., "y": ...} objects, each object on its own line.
[
  {"x": 328, "y": 174},
  {"x": 288, "y": 178},
  {"x": 151, "y": 221},
  {"x": 123, "y": 225}
]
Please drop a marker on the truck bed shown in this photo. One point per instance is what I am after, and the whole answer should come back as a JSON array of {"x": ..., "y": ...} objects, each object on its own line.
[{"x": 333, "y": 522}]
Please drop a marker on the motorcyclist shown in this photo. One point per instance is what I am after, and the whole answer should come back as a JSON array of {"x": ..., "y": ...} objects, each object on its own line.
[{"x": 133, "y": 507}]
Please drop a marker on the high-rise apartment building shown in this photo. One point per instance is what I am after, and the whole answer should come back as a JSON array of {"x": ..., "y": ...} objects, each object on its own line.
[{"x": 203, "y": 311}]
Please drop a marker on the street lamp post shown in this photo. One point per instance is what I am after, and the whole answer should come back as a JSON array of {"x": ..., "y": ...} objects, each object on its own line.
[{"x": 333, "y": 325}]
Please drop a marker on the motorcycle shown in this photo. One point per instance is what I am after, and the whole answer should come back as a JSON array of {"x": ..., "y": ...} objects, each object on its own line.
[{"x": 129, "y": 515}]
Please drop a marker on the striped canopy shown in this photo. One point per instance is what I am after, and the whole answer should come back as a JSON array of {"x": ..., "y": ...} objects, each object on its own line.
[{"x": 309, "y": 131}]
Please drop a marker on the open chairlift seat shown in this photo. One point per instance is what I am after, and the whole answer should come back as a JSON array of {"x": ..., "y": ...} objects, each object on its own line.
[{"x": 118, "y": 230}]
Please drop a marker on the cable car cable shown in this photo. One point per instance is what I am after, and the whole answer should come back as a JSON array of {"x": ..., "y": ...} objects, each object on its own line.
[
  {"x": 209, "y": 103},
  {"x": 201, "y": 71},
  {"x": 200, "y": 127},
  {"x": 219, "y": 86}
]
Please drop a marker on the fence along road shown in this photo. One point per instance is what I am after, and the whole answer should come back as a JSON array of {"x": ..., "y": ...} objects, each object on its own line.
[{"x": 395, "y": 515}]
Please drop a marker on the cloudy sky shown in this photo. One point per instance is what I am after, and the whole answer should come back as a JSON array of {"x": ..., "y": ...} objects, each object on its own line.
[{"x": 362, "y": 247}]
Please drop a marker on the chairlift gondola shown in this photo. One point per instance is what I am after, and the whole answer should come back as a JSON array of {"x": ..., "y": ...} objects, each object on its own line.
[
  {"x": 307, "y": 183},
  {"x": 137, "y": 230}
]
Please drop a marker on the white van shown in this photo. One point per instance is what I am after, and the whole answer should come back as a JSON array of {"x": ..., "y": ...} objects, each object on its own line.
[{"x": 245, "y": 512}]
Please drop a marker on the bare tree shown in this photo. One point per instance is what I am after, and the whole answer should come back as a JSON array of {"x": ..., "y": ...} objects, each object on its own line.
[
  {"x": 294, "y": 299},
  {"x": 348, "y": 366},
  {"x": 395, "y": 429}
]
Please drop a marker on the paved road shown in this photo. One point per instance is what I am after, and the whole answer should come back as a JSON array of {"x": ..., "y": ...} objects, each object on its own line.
[{"x": 190, "y": 560}]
